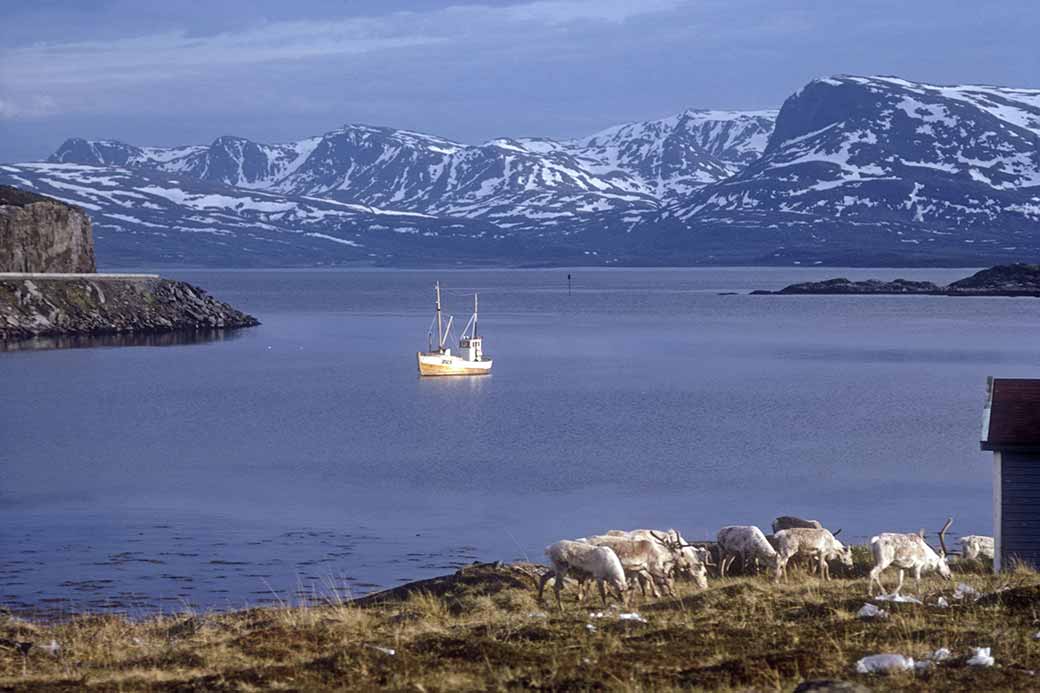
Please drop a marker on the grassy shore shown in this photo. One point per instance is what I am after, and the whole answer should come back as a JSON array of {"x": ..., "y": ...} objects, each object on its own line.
[{"x": 483, "y": 629}]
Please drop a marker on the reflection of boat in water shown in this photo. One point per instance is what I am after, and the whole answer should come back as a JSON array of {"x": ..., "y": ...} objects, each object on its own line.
[{"x": 441, "y": 361}]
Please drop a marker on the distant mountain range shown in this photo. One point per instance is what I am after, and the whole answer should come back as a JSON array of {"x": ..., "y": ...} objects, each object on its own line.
[{"x": 851, "y": 170}]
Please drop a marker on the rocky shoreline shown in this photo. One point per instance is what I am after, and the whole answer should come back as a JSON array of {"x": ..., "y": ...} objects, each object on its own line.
[
  {"x": 1002, "y": 280},
  {"x": 36, "y": 306}
]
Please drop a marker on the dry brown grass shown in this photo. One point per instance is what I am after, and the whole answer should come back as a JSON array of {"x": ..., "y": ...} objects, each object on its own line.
[{"x": 484, "y": 630}]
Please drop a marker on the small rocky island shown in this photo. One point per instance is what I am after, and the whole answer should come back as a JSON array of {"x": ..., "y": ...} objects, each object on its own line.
[
  {"x": 1002, "y": 280},
  {"x": 49, "y": 285}
]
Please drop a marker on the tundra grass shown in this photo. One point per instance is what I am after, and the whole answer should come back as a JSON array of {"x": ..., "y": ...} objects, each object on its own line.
[{"x": 483, "y": 629}]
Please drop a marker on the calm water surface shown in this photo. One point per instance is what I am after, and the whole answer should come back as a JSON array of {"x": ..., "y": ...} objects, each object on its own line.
[{"x": 306, "y": 456}]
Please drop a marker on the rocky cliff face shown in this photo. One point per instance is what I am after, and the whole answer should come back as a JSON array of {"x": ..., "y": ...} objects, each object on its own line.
[
  {"x": 41, "y": 234},
  {"x": 44, "y": 307}
]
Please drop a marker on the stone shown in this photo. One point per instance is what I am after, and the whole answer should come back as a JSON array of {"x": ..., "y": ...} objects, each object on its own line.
[{"x": 41, "y": 234}]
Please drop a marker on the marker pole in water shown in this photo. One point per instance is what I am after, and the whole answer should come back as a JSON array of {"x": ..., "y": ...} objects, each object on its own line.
[{"x": 568, "y": 284}]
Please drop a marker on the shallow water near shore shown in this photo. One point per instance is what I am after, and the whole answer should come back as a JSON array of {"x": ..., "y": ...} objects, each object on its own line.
[{"x": 305, "y": 457}]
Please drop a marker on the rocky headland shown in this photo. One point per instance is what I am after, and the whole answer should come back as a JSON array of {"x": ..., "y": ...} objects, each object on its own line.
[
  {"x": 1002, "y": 280},
  {"x": 42, "y": 306},
  {"x": 41, "y": 234},
  {"x": 49, "y": 286}
]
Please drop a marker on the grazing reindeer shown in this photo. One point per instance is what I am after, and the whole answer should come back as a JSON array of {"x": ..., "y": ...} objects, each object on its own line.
[
  {"x": 975, "y": 545},
  {"x": 644, "y": 560},
  {"x": 689, "y": 560},
  {"x": 746, "y": 541},
  {"x": 907, "y": 552},
  {"x": 814, "y": 543},
  {"x": 586, "y": 560}
]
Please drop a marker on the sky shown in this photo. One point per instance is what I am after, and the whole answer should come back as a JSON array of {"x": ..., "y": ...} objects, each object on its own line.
[{"x": 168, "y": 72}]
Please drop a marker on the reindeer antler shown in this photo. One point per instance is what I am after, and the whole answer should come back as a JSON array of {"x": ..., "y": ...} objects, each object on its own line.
[
  {"x": 942, "y": 535},
  {"x": 664, "y": 541}
]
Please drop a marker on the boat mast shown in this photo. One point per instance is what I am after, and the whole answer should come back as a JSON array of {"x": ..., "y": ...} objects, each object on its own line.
[
  {"x": 475, "y": 333},
  {"x": 440, "y": 330}
]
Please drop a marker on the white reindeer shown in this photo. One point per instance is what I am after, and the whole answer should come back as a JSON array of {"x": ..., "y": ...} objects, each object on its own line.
[
  {"x": 598, "y": 562},
  {"x": 975, "y": 545},
  {"x": 689, "y": 560},
  {"x": 818, "y": 544},
  {"x": 746, "y": 541},
  {"x": 907, "y": 552},
  {"x": 645, "y": 560}
]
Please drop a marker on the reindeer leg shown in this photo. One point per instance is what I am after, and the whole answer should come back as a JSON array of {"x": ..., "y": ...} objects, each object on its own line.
[
  {"x": 900, "y": 585},
  {"x": 602, "y": 591},
  {"x": 557, "y": 586},
  {"x": 541, "y": 583},
  {"x": 653, "y": 583},
  {"x": 875, "y": 578}
]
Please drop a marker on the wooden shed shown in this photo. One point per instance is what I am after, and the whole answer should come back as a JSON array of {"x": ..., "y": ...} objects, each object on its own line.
[{"x": 1011, "y": 430}]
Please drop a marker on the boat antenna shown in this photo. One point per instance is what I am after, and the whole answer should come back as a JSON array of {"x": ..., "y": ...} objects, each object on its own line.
[{"x": 440, "y": 330}]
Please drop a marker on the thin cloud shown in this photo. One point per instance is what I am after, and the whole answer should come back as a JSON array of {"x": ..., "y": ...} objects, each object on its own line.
[
  {"x": 33, "y": 107},
  {"x": 175, "y": 54}
]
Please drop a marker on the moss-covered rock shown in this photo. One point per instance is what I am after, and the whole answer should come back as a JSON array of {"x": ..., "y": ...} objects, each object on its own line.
[{"x": 34, "y": 306}]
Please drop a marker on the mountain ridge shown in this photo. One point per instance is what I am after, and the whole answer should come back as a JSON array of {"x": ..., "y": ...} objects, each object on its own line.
[{"x": 850, "y": 170}]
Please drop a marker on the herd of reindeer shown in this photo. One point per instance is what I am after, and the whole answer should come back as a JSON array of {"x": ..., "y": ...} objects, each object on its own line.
[{"x": 650, "y": 558}]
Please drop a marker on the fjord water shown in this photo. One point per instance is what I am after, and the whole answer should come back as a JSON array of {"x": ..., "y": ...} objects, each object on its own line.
[{"x": 306, "y": 455}]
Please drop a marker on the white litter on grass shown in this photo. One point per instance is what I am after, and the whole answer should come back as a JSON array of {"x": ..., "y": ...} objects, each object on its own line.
[
  {"x": 52, "y": 648},
  {"x": 628, "y": 616},
  {"x": 965, "y": 590},
  {"x": 871, "y": 611},
  {"x": 590, "y": 628},
  {"x": 884, "y": 664},
  {"x": 385, "y": 650},
  {"x": 937, "y": 657},
  {"x": 897, "y": 598},
  {"x": 537, "y": 614},
  {"x": 980, "y": 658},
  {"x": 942, "y": 603}
]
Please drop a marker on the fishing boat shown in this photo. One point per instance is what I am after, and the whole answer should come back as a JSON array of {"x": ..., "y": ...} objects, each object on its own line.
[{"x": 440, "y": 361}]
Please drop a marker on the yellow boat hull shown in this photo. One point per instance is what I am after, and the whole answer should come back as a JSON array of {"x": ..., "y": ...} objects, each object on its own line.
[{"x": 439, "y": 364}]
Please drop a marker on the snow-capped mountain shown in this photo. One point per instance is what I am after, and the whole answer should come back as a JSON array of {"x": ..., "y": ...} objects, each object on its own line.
[
  {"x": 148, "y": 217},
  {"x": 615, "y": 177},
  {"x": 851, "y": 170},
  {"x": 867, "y": 167}
]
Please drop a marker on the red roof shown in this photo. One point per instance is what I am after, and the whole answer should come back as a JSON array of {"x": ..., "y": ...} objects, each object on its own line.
[{"x": 1012, "y": 415}]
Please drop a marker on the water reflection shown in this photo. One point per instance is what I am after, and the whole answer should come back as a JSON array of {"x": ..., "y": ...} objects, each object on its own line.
[{"x": 122, "y": 339}]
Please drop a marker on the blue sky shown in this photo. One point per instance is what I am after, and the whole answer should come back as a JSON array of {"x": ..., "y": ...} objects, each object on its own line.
[{"x": 170, "y": 72}]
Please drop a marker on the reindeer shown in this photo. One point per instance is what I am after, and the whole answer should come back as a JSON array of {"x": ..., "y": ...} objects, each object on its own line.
[
  {"x": 746, "y": 541},
  {"x": 646, "y": 561},
  {"x": 587, "y": 561},
  {"x": 975, "y": 545},
  {"x": 814, "y": 543},
  {"x": 689, "y": 560},
  {"x": 791, "y": 522},
  {"x": 907, "y": 552}
]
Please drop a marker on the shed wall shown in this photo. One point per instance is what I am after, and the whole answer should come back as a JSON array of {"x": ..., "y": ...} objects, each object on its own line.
[{"x": 1019, "y": 508}]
